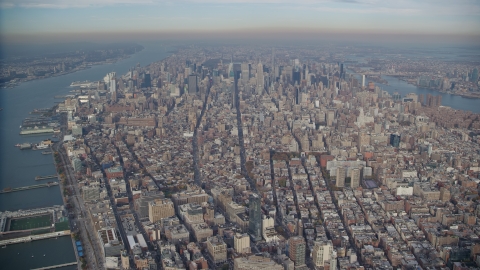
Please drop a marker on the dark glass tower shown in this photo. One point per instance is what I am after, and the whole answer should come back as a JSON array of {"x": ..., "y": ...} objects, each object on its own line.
[{"x": 255, "y": 215}]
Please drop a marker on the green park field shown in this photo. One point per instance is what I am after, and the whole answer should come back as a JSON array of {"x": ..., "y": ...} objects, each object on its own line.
[{"x": 29, "y": 223}]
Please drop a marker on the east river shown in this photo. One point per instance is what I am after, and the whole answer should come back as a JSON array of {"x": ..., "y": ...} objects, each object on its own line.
[{"x": 18, "y": 168}]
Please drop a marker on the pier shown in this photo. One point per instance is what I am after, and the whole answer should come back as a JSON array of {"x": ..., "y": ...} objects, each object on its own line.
[
  {"x": 34, "y": 237},
  {"x": 7, "y": 190},
  {"x": 37, "y": 178},
  {"x": 56, "y": 266}
]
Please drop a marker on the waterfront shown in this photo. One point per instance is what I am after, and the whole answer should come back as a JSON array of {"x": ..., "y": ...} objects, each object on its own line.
[
  {"x": 453, "y": 101},
  {"x": 19, "y": 256},
  {"x": 19, "y": 167}
]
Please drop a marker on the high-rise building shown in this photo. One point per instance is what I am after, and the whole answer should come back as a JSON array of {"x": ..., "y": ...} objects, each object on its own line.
[
  {"x": 340, "y": 177},
  {"x": 255, "y": 217},
  {"x": 421, "y": 99},
  {"x": 363, "y": 81},
  {"x": 273, "y": 59},
  {"x": 322, "y": 252},
  {"x": 245, "y": 68},
  {"x": 113, "y": 85},
  {"x": 355, "y": 177},
  {"x": 159, "y": 209},
  {"x": 296, "y": 250},
  {"x": 260, "y": 79},
  {"x": 241, "y": 243},
  {"x": 330, "y": 118},
  {"x": 192, "y": 84},
  {"x": 147, "y": 81},
  {"x": 395, "y": 140},
  {"x": 474, "y": 75},
  {"x": 217, "y": 249}
]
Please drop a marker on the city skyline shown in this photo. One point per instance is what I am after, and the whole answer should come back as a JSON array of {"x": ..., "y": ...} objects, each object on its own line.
[{"x": 27, "y": 20}]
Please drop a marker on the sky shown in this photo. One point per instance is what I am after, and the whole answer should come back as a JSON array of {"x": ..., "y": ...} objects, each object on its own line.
[{"x": 77, "y": 19}]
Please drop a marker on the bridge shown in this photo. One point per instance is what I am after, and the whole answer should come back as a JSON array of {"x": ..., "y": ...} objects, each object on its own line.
[{"x": 56, "y": 266}]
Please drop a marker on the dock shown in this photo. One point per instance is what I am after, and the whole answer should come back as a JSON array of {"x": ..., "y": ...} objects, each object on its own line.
[
  {"x": 28, "y": 187},
  {"x": 34, "y": 237},
  {"x": 56, "y": 266},
  {"x": 37, "y": 178}
]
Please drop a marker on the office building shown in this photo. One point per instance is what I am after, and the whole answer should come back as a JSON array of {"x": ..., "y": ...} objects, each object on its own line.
[
  {"x": 241, "y": 243},
  {"x": 192, "y": 84},
  {"x": 160, "y": 208},
  {"x": 296, "y": 250},
  {"x": 322, "y": 252},
  {"x": 340, "y": 177},
  {"x": 355, "y": 177},
  {"x": 395, "y": 140},
  {"x": 255, "y": 215},
  {"x": 217, "y": 249},
  {"x": 260, "y": 79}
]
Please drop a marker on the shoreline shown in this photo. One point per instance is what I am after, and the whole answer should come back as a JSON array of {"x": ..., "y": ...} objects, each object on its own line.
[
  {"x": 109, "y": 61},
  {"x": 469, "y": 96}
]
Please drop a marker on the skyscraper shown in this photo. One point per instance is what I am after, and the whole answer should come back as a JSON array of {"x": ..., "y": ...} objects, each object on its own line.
[
  {"x": 245, "y": 67},
  {"x": 255, "y": 215},
  {"x": 395, "y": 140},
  {"x": 363, "y": 81},
  {"x": 192, "y": 84},
  {"x": 260, "y": 80},
  {"x": 147, "y": 81},
  {"x": 273, "y": 60}
]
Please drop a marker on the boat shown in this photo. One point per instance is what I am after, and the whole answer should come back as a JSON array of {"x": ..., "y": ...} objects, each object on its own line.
[
  {"x": 40, "y": 146},
  {"x": 46, "y": 152},
  {"x": 86, "y": 83},
  {"x": 24, "y": 146},
  {"x": 17, "y": 145}
]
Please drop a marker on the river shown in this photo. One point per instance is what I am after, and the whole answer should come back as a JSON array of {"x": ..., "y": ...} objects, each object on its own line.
[
  {"x": 19, "y": 168},
  {"x": 453, "y": 101}
]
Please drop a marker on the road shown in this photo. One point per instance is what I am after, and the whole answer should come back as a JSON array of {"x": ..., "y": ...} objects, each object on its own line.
[{"x": 83, "y": 224}]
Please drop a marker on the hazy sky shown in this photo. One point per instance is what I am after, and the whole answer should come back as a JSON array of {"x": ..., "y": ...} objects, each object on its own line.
[{"x": 58, "y": 17}]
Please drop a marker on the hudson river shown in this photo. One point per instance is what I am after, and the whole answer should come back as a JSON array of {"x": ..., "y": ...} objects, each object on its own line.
[{"x": 19, "y": 168}]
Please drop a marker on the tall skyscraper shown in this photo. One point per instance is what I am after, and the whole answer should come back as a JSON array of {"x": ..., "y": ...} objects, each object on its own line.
[
  {"x": 363, "y": 81},
  {"x": 255, "y": 215},
  {"x": 113, "y": 86},
  {"x": 260, "y": 80},
  {"x": 245, "y": 67},
  {"x": 296, "y": 250},
  {"x": 273, "y": 60},
  {"x": 192, "y": 84}
]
